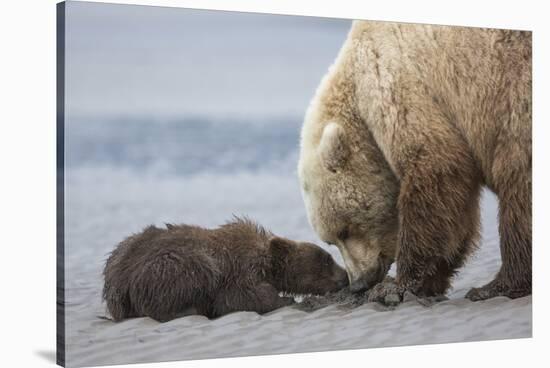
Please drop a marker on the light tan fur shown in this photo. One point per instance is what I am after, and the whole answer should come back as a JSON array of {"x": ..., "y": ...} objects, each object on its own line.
[{"x": 408, "y": 124}]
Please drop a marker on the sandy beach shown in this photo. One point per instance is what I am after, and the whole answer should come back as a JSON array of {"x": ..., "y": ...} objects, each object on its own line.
[{"x": 94, "y": 340}]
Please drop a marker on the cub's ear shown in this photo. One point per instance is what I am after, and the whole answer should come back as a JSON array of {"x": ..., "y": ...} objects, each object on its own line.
[
  {"x": 333, "y": 148},
  {"x": 279, "y": 247}
]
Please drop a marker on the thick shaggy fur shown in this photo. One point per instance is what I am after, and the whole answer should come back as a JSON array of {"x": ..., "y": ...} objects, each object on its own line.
[
  {"x": 410, "y": 122},
  {"x": 162, "y": 273}
]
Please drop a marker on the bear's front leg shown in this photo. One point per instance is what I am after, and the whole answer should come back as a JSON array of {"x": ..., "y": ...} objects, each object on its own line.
[
  {"x": 514, "y": 277},
  {"x": 438, "y": 208}
]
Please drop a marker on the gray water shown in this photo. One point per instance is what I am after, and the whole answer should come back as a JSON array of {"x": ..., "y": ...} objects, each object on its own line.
[{"x": 156, "y": 62}]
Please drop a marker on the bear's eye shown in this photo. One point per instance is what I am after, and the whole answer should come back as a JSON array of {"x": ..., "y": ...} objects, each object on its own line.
[{"x": 343, "y": 234}]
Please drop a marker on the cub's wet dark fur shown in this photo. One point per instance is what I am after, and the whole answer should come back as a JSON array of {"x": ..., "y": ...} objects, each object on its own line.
[{"x": 162, "y": 273}]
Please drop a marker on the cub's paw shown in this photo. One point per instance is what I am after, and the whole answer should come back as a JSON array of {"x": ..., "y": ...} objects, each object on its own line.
[{"x": 387, "y": 292}]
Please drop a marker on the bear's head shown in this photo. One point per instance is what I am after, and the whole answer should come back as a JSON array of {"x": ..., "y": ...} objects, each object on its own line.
[
  {"x": 304, "y": 268},
  {"x": 350, "y": 195}
]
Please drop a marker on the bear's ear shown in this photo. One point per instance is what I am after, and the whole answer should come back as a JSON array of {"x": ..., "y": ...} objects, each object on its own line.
[
  {"x": 333, "y": 148},
  {"x": 279, "y": 247}
]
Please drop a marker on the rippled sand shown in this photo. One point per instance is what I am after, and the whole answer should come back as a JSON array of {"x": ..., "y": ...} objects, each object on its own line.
[{"x": 94, "y": 340}]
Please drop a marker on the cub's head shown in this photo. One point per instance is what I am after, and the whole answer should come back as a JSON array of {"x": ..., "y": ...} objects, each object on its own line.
[
  {"x": 304, "y": 268},
  {"x": 350, "y": 195}
]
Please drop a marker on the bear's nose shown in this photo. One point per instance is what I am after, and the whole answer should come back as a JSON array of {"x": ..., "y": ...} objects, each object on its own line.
[
  {"x": 358, "y": 285},
  {"x": 343, "y": 283}
]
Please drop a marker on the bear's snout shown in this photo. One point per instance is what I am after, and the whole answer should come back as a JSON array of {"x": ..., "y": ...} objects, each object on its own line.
[
  {"x": 358, "y": 286},
  {"x": 368, "y": 279}
]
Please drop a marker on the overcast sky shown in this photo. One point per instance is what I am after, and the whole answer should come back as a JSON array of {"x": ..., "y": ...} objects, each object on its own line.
[{"x": 127, "y": 60}]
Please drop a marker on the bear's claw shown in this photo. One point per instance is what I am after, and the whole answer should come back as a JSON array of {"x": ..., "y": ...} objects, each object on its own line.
[
  {"x": 387, "y": 292},
  {"x": 496, "y": 288}
]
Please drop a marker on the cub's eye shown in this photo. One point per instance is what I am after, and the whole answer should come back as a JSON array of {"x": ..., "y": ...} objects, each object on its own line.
[{"x": 343, "y": 234}]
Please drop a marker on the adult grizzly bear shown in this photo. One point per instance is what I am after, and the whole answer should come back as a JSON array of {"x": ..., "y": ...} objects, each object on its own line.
[
  {"x": 162, "y": 273},
  {"x": 408, "y": 125}
]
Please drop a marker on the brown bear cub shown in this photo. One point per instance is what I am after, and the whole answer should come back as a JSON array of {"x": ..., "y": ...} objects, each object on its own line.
[{"x": 240, "y": 266}]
